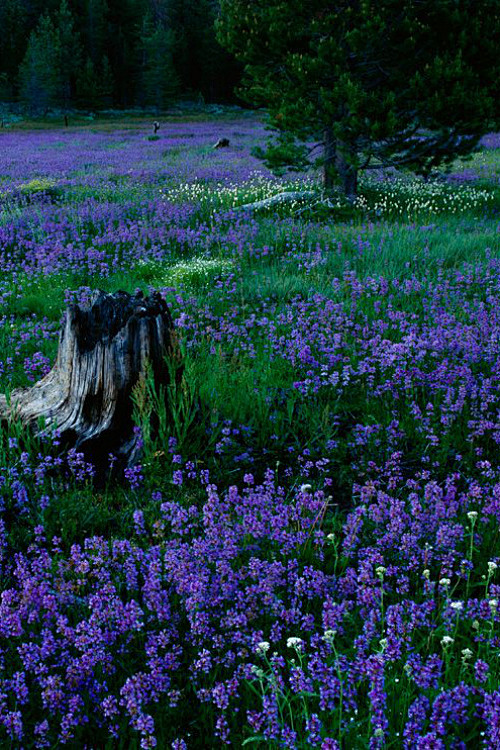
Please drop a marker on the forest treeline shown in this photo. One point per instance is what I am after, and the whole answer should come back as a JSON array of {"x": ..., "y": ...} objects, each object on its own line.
[{"x": 94, "y": 54}]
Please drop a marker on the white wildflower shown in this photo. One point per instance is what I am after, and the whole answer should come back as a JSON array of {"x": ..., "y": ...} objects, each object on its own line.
[
  {"x": 257, "y": 671},
  {"x": 263, "y": 647},
  {"x": 446, "y": 640},
  {"x": 295, "y": 643},
  {"x": 457, "y": 606},
  {"x": 329, "y": 635}
]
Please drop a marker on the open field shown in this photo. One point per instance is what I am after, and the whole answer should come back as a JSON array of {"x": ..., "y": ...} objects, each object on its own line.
[{"x": 308, "y": 553}]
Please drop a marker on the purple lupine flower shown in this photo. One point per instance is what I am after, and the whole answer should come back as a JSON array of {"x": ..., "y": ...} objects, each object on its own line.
[{"x": 134, "y": 476}]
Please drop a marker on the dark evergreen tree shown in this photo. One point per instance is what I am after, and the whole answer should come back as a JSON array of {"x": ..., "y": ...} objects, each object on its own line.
[
  {"x": 95, "y": 28},
  {"x": 94, "y": 85},
  {"x": 220, "y": 73},
  {"x": 34, "y": 9},
  {"x": 40, "y": 76},
  {"x": 401, "y": 82},
  {"x": 125, "y": 20},
  {"x": 159, "y": 82},
  {"x": 202, "y": 64},
  {"x": 13, "y": 41},
  {"x": 87, "y": 86},
  {"x": 70, "y": 51},
  {"x": 106, "y": 83}
]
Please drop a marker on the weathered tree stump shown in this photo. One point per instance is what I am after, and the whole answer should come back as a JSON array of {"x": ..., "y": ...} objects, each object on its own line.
[
  {"x": 222, "y": 143},
  {"x": 105, "y": 348},
  {"x": 156, "y": 127}
]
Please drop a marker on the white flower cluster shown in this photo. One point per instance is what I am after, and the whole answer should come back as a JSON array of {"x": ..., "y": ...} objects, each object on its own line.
[
  {"x": 415, "y": 197},
  {"x": 263, "y": 647},
  {"x": 214, "y": 194}
]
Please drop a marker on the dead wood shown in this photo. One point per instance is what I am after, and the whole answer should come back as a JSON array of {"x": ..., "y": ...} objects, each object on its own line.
[
  {"x": 276, "y": 200},
  {"x": 105, "y": 347}
]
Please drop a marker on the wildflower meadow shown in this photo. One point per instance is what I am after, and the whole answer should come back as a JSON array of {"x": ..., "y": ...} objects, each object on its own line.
[{"x": 307, "y": 554}]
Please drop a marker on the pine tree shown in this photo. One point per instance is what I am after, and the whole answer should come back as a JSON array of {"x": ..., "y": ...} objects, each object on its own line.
[
  {"x": 201, "y": 63},
  {"x": 218, "y": 71},
  {"x": 106, "y": 83},
  {"x": 159, "y": 81},
  {"x": 380, "y": 82},
  {"x": 70, "y": 55},
  {"x": 13, "y": 40},
  {"x": 95, "y": 28},
  {"x": 87, "y": 86},
  {"x": 40, "y": 73},
  {"x": 94, "y": 86},
  {"x": 125, "y": 20}
]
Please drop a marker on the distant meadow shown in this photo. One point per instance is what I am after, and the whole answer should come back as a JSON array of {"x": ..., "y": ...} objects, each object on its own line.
[{"x": 307, "y": 553}]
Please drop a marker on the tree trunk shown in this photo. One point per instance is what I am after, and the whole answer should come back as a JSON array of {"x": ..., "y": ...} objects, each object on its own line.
[
  {"x": 329, "y": 169},
  {"x": 339, "y": 166},
  {"x": 347, "y": 172},
  {"x": 105, "y": 348}
]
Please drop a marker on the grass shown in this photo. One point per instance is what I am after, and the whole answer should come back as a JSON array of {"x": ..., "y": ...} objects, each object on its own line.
[{"x": 108, "y": 121}]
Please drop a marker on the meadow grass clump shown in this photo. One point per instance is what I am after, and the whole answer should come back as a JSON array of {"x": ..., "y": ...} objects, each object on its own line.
[
  {"x": 306, "y": 552},
  {"x": 40, "y": 189}
]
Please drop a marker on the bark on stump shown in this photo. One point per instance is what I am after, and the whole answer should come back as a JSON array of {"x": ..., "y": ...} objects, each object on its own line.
[{"x": 105, "y": 347}]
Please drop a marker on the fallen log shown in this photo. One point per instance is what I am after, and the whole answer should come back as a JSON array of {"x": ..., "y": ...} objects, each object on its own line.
[
  {"x": 105, "y": 347},
  {"x": 276, "y": 200}
]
